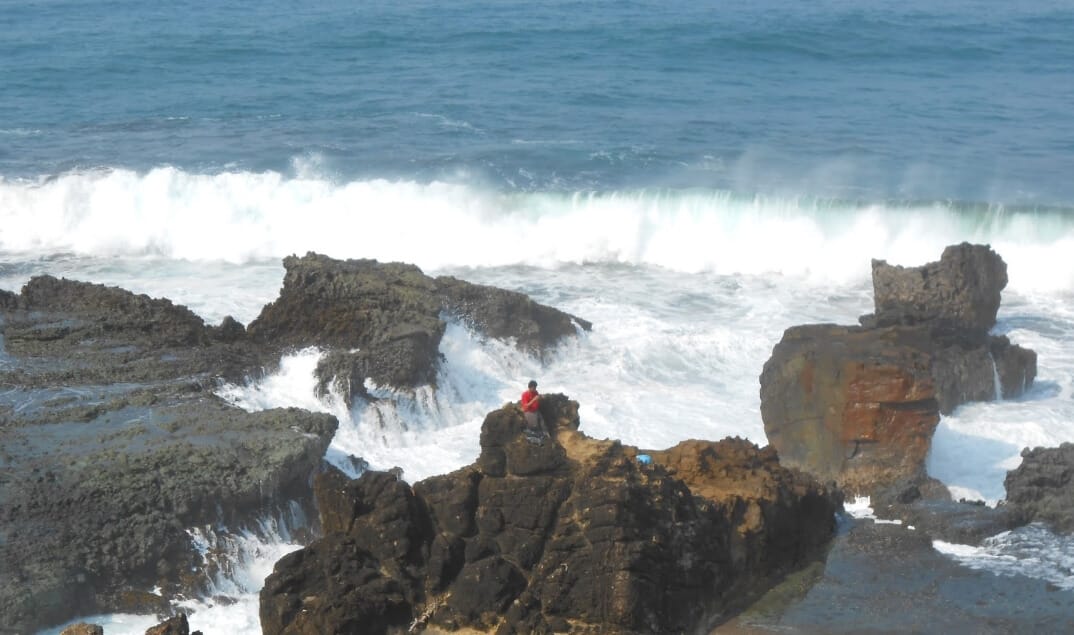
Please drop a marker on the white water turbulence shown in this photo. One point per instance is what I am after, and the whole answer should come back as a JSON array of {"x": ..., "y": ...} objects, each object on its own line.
[
  {"x": 240, "y": 217},
  {"x": 974, "y": 447},
  {"x": 424, "y": 431},
  {"x": 1030, "y": 551},
  {"x": 688, "y": 292},
  {"x": 236, "y": 563}
]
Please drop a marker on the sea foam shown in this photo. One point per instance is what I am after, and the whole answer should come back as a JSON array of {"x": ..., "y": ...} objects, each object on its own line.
[{"x": 241, "y": 217}]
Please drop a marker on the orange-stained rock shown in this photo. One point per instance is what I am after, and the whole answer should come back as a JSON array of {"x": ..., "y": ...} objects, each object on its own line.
[
  {"x": 859, "y": 404},
  {"x": 569, "y": 534}
]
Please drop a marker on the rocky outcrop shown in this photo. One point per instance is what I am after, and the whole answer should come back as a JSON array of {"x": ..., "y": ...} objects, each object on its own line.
[
  {"x": 112, "y": 447},
  {"x": 383, "y": 321},
  {"x": 569, "y": 534},
  {"x": 960, "y": 292},
  {"x": 859, "y": 404},
  {"x": 380, "y": 321},
  {"x": 504, "y": 314},
  {"x": 1042, "y": 487}
]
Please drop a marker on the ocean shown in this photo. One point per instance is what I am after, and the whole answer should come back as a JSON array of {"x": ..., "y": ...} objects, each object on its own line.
[{"x": 692, "y": 177}]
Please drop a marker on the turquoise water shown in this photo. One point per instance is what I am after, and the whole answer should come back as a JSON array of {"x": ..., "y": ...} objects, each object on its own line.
[{"x": 866, "y": 100}]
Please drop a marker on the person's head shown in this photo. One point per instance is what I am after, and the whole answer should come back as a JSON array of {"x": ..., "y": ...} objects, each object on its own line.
[{"x": 533, "y": 385}]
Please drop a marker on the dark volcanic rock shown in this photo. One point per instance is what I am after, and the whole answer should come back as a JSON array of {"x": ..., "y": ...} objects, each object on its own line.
[
  {"x": 507, "y": 314},
  {"x": 859, "y": 404},
  {"x": 961, "y": 291},
  {"x": 105, "y": 335},
  {"x": 172, "y": 626},
  {"x": 382, "y": 321},
  {"x": 1042, "y": 487},
  {"x": 112, "y": 444},
  {"x": 571, "y": 534},
  {"x": 111, "y": 448}
]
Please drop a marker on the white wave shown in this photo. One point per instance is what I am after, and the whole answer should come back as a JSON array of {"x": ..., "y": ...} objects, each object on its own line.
[
  {"x": 1031, "y": 551},
  {"x": 241, "y": 217}
]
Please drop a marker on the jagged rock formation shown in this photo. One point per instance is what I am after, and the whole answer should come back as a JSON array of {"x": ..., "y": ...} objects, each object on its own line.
[
  {"x": 111, "y": 448},
  {"x": 859, "y": 404},
  {"x": 382, "y": 321},
  {"x": 960, "y": 292},
  {"x": 1042, "y": 487},
  {"x": 112, "y": 443},
  {"x": 572, "y": 535}
]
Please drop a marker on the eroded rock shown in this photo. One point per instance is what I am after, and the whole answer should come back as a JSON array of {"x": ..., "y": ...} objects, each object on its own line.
[
  {"x": 859, "y": 404},
  {"x": 1042, "y": 487},
  {"x": 112, "y": 446},
  {"x": 961, "y": 291},
  {"x": 567, "y": 534},
  {"x": 383, "y": 321}
]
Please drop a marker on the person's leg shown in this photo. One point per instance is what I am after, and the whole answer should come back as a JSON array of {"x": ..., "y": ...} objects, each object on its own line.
[{"x": 535, "y": 428}]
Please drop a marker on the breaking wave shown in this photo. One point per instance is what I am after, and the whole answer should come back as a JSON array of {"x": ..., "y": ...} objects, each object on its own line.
[{"x": 243, "y": 217}]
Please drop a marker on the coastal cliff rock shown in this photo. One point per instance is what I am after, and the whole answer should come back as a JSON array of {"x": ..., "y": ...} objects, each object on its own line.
[
  {"x": 859, "y": 404},
  {"x": 504, "y": 314},
  {"x": 111, "y": 448},
  {"x": 960, "y": 292},
  {"x": 114, "y": 448},
  {"x": 570, "y": 534},
  {"x": 1042, "y": 487},
  {"x": 382, "y": 321}
]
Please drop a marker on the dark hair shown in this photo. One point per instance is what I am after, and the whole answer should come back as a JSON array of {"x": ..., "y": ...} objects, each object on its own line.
[{"x": 533, "y": 383}]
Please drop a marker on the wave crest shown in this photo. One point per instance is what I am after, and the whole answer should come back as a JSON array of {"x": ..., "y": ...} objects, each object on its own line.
[{"x": 242, "y": 216}]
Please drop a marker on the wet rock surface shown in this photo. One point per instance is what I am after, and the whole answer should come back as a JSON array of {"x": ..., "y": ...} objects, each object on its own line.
[
  {"x": 859, "y": 404},
  {"x": 561, "y": 534},
  {"x": 113, "y": 443},
  {"x": 959, "y": 292},
  {"x": 1042, "y": 487},
  {"x": 384, "y": 321},
  {"x": 882, "y": 578}
]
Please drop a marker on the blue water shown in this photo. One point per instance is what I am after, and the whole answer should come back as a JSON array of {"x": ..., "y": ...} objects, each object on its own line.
[{"x": 864, "y": 100}]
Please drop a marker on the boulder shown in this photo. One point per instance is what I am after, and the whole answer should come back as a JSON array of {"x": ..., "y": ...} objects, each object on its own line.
[
  {"x": 565, "y": 533},
  {"x": 961, "y": 291},
  {"x": 1042, "y": 487},
  {"x": 172, "y": 626},
  {"x": 383, "y": 321},
  {"x": 859, "y": 404}
]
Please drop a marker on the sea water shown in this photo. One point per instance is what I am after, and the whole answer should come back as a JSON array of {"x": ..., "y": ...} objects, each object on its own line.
[{"x": 692, "y": 177}]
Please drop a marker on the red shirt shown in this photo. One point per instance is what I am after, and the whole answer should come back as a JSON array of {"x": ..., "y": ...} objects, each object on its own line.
[{"x": 529, "y": 401}]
